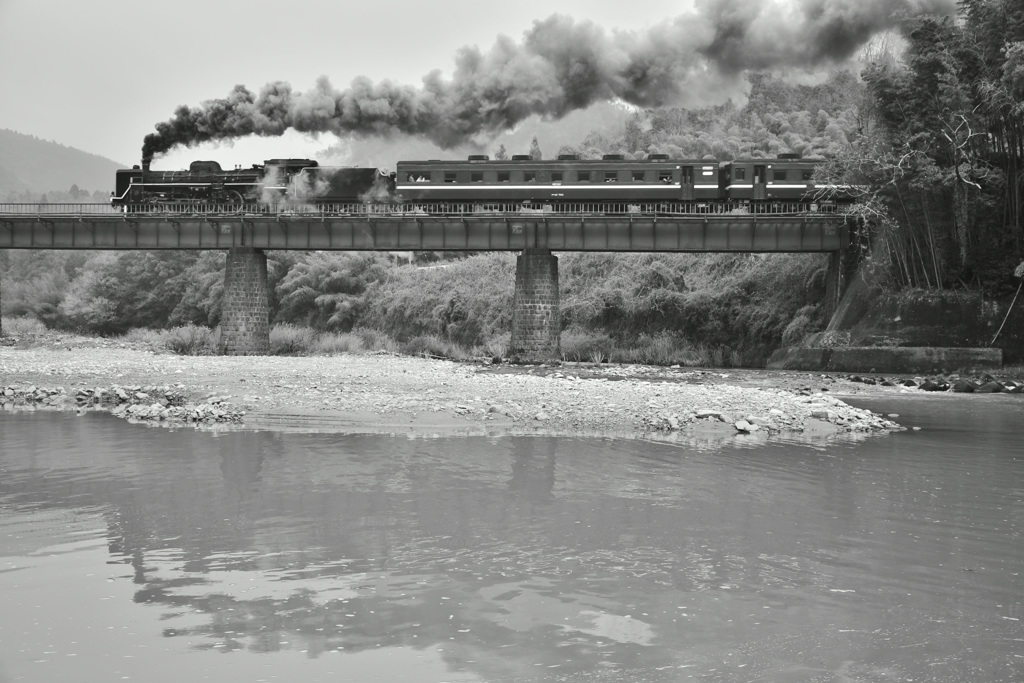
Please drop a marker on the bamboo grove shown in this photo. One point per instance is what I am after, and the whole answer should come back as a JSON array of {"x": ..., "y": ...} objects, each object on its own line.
[{"x": 940, "y": 154}]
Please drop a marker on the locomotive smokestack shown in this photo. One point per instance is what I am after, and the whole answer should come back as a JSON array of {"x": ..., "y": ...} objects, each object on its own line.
[
  {"x": 560, "y": 66},
  {"x": 145, "y": 165}
]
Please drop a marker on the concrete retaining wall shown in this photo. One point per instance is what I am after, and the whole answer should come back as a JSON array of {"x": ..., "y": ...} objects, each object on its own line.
[{"x": 908, "y": 359}]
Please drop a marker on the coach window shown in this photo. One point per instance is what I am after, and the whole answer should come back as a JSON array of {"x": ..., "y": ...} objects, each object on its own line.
[
  {"x": 450, "y": 177},
  {"x": 611, "y": 177},
  {"x": 665, "y": 177},
  {"x": 638, "y": 176},
  {"x": 583, "y": 176},
  {"x": 779, "y": 175},
  {"x": 529, "y": 176},
  {"x": 503, "y": 176},
  {"x": 739, "y": 173},
  {"x": 556, "y": 176},
  {"x": 806, "y": 175},
  {"x": 476, "y": 177}
]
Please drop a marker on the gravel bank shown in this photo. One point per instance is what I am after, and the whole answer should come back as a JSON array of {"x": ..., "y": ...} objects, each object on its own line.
[{"x": 387, "y": 393}]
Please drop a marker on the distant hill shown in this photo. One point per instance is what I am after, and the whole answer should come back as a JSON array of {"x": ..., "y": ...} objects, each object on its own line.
[{"x": 29, "y": 164}]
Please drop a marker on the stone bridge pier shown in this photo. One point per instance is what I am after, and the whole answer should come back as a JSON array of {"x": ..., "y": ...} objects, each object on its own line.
[
  {"x": 536, "y": 321},
  {"x": 245, "y": 309}
]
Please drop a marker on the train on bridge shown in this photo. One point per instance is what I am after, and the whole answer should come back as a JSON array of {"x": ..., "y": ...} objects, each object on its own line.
[{"x": 612, "y": 184}]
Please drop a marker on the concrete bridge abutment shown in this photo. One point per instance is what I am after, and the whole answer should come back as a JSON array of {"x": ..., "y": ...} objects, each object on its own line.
[
  {"x": 536, "y": 320},
  {"x": 245, "y": 308}
]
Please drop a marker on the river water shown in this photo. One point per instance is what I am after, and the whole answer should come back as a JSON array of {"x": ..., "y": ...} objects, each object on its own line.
[{"x": 150, "y": 554}]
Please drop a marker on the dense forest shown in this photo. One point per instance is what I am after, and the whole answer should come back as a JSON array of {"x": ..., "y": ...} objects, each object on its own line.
[{"x": 931, "y": 132}]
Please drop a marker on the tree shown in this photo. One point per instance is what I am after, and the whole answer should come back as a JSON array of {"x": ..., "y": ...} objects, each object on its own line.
[
  {"x": 535, "y": 152},
  {"x": 327, "y": 290},
  {"x": 116, "y": 291},
  {"x": 502, "y": 153},
  {"x": 637, "y": 137}
]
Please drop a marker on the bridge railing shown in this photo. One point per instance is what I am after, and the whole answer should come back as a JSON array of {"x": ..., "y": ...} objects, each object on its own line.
[
  {"x": 56, "y": 209},
  {"x": 452, "y": 209}
]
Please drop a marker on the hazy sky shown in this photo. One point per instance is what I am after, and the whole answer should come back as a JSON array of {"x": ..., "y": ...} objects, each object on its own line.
[{"x": 98, "y": 74}]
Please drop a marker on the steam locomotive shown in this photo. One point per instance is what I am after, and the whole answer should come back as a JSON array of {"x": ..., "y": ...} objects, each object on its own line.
[
  {"x": 275, "y": 181},
  {"x": 482, "y": 184}
]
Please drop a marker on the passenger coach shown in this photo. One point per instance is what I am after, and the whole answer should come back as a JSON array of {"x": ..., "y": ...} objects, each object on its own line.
[
  {"x": 566, "y": 179},
  {"x": 787, "y": 178}
]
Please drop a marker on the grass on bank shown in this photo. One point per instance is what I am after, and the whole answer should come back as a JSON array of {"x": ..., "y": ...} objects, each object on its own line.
[
  {"x": 286, "y": 339},
  {"x": 665, "y": 349}
]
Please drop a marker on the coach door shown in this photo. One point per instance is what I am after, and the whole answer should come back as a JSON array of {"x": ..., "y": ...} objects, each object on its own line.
[
  {"x": 686, "y": 183},
  {"x": 760, "y": 183}
]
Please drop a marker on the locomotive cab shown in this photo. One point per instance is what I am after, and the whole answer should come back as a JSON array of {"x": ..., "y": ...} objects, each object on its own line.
[{"x": 124, "y": 180}]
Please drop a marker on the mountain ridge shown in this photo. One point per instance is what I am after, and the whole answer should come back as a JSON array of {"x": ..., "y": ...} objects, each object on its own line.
[{"x": 31, "y": 165}]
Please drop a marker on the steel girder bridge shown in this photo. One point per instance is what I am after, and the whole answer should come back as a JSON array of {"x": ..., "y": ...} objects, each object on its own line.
[{"x": 661, "y": 227}]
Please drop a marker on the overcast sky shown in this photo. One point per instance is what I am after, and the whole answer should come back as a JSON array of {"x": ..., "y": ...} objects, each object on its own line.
[{"x": 98, "y": 74}]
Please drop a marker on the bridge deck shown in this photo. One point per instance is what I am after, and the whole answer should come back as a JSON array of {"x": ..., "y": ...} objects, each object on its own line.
[{"x": 91, "y": 226}]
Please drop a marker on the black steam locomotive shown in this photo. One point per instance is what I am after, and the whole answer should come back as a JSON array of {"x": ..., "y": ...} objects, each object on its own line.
[
  {"x": 482, "y": 184},
  {"x": 276, "y": 181}
]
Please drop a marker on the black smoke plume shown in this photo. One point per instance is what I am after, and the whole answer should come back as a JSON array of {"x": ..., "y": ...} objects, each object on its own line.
[{"x": 560, "y": 66}]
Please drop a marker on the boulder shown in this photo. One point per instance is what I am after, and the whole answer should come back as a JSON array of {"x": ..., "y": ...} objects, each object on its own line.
[{"x": 991, "y": 387}]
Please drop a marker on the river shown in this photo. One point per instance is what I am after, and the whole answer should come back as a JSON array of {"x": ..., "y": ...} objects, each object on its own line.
[{"x": 151, "y": 554}]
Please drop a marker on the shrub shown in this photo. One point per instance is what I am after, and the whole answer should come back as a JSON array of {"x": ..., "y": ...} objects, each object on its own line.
[
  {"x": 191, "y": 340},
  {"x": 333, "y": 342},
  {"x": 497, "y": 346},
  {"x": 700, "y": 356},
  {"x": 580, "y": 345},
  {"x": 800, "y": 326},
  {"x": 375, "y": 340},
  {"x": 433, "y": 345},
  {"x": 288, "y": 339},
  {"x": 22, "y": 326},
  {"x": 658, "y": 349},
  {"x": 146, "y": 336}
]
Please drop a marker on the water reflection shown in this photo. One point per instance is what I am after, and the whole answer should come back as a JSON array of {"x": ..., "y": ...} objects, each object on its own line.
[{"x": 543, "y": 558}]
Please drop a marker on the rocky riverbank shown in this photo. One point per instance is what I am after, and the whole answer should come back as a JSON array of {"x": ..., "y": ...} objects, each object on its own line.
[{"x": 384, "y": 392}]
